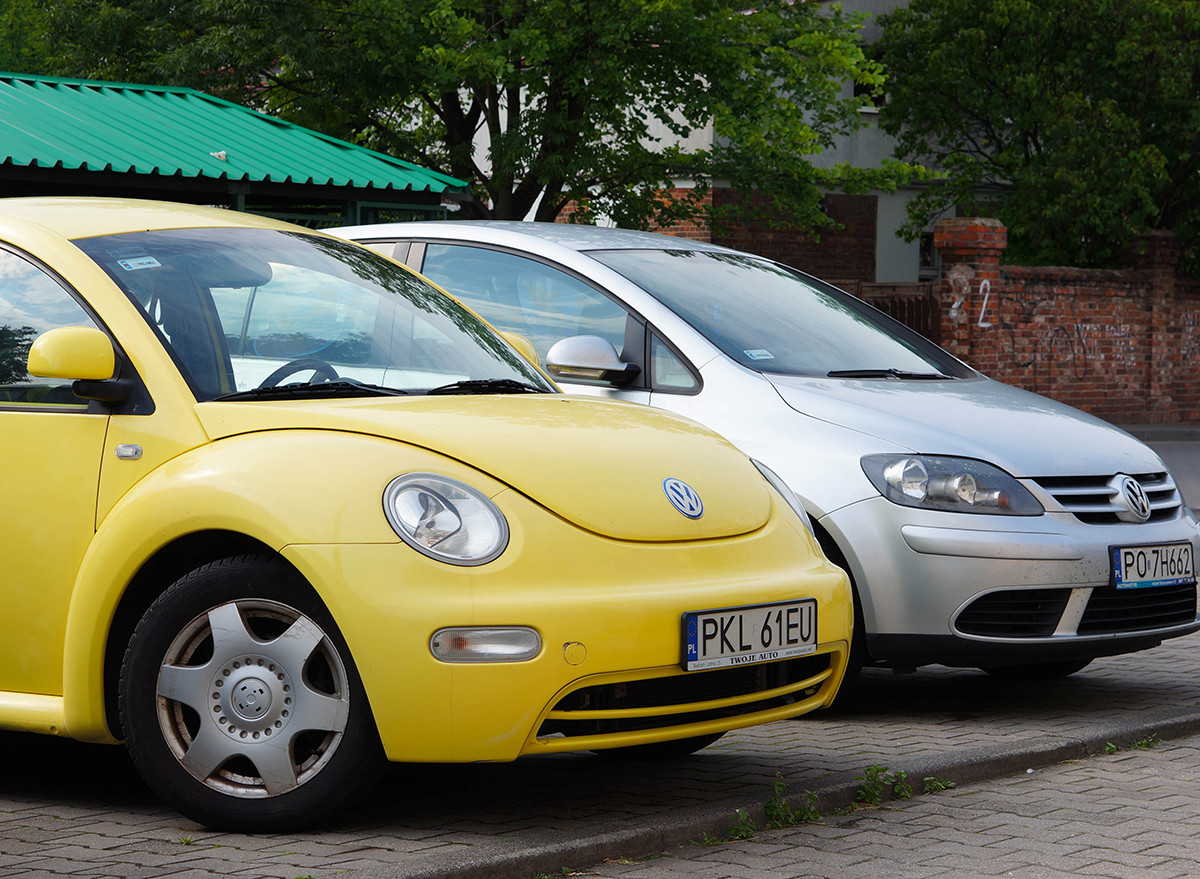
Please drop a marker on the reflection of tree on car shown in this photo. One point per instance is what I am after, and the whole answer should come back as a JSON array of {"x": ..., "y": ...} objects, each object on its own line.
[{"x": 14, "y": 349}]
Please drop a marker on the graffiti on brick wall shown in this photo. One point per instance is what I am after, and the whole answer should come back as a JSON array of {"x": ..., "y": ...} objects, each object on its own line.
[
  {"x": 1189, "y": 343},
  {"x": 1050, "y": 340}
]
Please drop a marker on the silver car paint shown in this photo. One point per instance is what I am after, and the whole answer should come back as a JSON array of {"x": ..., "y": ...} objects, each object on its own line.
[{"x": 916, "y": 569}]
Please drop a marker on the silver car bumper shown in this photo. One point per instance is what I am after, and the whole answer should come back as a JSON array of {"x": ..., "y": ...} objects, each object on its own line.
[{"x": 969, "y": 590}]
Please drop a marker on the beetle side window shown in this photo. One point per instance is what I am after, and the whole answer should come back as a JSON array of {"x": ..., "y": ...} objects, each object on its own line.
[
  {"x": 524, "y": 296},
  {"x": 32, "y": 302}
]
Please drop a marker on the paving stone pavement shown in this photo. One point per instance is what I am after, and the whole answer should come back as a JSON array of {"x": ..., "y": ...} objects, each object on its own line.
[
  {"x": 68, "y": 808},
  {"x": 1133, "y": 814}
]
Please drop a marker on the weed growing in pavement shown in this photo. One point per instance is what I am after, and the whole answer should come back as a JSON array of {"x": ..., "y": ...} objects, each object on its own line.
[
  {"x": 875, "y": 778},
  {"x": 743, "y": 826},
  {"x": 186, "y": 839},
  {"x": 1140, "y": 745},
  {"x": 871, "y": 792},
  {"x": 780, "y": 814},
  {"x": 932, "y": 785}
]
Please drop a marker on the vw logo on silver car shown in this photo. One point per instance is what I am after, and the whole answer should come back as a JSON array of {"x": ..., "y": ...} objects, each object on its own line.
[{"x": 1137, "y": 502}]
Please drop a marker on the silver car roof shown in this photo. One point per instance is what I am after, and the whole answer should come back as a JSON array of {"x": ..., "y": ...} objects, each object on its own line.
[{"x": 573, "y": 236}]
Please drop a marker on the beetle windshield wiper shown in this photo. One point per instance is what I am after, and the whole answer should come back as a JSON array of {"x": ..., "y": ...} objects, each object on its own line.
[
  {"x": 320, "y": 390},
  {"x": 489, "y": 386},
  {"x": 884, "y": 373}
]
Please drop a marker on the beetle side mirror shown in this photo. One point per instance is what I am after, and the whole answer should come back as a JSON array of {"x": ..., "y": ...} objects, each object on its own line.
[
  {"x": 523, "y": 346},
  {"x": 72, "y": 353},
  {"x": 83, "y": 354},
  {"x": 589, "y": 357}
]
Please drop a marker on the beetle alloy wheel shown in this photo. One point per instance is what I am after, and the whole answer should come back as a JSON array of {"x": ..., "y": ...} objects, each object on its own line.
[{"x": 252, "y": 698}]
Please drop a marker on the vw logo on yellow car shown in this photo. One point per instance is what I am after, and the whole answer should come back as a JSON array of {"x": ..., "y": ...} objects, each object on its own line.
[{"x": 683, "y": 497}]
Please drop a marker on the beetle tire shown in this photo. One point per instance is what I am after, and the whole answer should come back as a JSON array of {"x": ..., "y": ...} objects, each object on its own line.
[{"x": 236, "y": 724}]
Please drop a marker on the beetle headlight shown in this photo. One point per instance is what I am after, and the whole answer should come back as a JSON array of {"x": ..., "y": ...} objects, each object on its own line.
[
  {"x": 445, "y": 519},
  {"x": 958, "y": 485},
  {"x": 786, "y": 493}
]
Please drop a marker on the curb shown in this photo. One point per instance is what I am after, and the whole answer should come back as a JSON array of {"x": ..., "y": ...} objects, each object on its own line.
[
  {"x": 560, "y": 850},
  {"x": 1163, "y": 432}
]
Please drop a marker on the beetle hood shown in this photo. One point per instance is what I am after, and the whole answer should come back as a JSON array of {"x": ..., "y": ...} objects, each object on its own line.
[
  {"x": 1026, "y": 434},
  {"x": 597, "y": 463}
]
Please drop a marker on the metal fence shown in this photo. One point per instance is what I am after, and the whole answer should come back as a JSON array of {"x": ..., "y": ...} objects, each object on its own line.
[{"x": 914, "y": 305}]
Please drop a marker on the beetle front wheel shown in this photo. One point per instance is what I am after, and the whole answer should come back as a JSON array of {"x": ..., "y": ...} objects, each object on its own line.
[{"x": 240, "y": 702}]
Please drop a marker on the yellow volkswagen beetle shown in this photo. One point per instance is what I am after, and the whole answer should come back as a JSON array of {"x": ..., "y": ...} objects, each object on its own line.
[{"x": 278, "y": 510}]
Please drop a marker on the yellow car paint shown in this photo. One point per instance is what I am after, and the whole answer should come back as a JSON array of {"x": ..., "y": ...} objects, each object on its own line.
[{"x": 100, "y": 498}]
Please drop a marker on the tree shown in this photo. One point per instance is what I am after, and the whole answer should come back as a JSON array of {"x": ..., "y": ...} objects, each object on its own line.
[
  {"x": 540, "y": 103},
  {"x": 1077, "y": 124},
  {"x": 14, "y": 352},
  {"x": 23, "y": 48}
]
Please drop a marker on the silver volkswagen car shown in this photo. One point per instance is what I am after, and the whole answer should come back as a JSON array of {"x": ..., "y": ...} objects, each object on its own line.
[{"x": 982, "y": 526}]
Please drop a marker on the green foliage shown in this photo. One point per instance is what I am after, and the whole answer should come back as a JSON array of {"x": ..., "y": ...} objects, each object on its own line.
[
  {"x": 933, "y": 784},
  {"x": 1074, "y": 123},
  {"x": 24, "y": 47},
  {"x": 875, "y": 779},
  {"x": 537, "y": 102},
  {"x": 780, "y": 814},
  {"x": 743, "y": 826},
  {"x": 14, "y": 352},
  {"x": 1143, "y": 744}
]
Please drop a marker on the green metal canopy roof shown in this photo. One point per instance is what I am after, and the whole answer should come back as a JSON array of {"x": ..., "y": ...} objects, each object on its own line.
[{"x": 191, "y": 141}]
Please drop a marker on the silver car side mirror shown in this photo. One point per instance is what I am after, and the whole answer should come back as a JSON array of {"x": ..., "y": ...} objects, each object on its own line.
[{"x": 589, "y": 357}]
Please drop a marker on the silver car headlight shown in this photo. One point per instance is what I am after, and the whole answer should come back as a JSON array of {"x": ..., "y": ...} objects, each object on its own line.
[
  {"x": 788, "y": 495},
  {"x": 957, "y": 485},
  {"x": 445, "y": 519}
]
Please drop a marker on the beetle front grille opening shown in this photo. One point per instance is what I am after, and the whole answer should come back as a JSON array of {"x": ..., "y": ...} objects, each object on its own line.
[{"x": 675, "y": 690}]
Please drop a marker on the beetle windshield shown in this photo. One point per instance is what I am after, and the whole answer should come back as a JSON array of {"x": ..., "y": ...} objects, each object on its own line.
[
  {"x": 774, "y": 320},
  {"x": 244, "y": 310}
]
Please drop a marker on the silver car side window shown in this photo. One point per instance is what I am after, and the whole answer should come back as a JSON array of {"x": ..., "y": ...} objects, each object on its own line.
[
  {"x": 524, "y": 296},
  {"x": 669, "y": 372}
]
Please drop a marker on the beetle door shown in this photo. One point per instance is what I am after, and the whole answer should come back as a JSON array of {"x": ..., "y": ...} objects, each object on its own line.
[{"x": 50, "y": 450}]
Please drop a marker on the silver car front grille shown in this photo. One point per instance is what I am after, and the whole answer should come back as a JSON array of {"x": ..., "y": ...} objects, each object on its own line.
[{"x": 1097, "y": 500}]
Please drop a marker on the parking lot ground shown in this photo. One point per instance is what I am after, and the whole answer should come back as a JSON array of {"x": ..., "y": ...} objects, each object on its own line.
[
  {"x": 68, "y": 808},
  {"x": 1131, "y": 814}
]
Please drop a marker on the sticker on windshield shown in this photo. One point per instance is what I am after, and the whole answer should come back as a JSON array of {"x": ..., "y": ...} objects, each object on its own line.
[
  {"x": 760, "y": 354},
  {"x": 141, "y": 262}
]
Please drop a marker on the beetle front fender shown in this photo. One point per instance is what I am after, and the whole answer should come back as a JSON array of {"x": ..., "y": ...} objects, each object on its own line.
[{"x": 281, "y": 488}]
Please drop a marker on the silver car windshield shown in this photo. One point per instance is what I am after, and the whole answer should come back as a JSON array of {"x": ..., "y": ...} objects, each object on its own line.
[
  {"x": 773, "y": 320},
  {"x": 249, "y": 310}
]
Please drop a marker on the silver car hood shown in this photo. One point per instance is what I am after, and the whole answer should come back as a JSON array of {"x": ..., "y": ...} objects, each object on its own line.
[{"x": 1025, "y": 434}]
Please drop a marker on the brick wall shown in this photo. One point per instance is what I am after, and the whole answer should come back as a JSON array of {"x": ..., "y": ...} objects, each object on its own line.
[
  {"x": 847, "y": 253},
  {"x": 1121, "y": 344}
]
